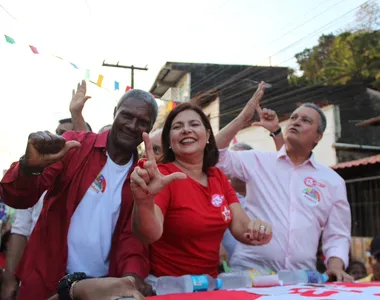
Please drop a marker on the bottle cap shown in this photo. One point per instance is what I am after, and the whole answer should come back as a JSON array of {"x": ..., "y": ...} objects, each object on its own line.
[
  {"x": 325, "y": 278},
  {"x": 218, "y": 283}
]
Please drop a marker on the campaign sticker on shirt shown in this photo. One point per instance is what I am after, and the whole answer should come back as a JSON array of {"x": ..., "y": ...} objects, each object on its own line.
[
  {"x": 311, "y": 196},
  {"x": 311, "y": 182},
  {"x": 226, "y": 213},
  {"x": 217, "y": 200},
  {"x": 99, "y": 184}
]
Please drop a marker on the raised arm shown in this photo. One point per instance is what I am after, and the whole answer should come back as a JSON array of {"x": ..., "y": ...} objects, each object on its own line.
[
  {"x": 224, "y": 136},
  {"x": 147, "y": 182},
  {"x": 77, "y": 103}
]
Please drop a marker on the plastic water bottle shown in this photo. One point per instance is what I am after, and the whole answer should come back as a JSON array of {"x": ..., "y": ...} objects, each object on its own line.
[
  {"x": 186, "y": 284},
  {"x": 301, "y": 276},
  {"x": 236, "y": 280}
]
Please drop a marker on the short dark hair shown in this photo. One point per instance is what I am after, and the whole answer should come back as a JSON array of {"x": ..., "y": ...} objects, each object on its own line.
[
  {"x": 140, "y": 95},
  {"x": 68, "y": 120},
  {"x": 211, "y": 152}
]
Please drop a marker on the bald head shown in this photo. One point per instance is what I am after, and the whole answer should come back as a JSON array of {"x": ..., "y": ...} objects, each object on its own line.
[{"x": 155, "y": 138}]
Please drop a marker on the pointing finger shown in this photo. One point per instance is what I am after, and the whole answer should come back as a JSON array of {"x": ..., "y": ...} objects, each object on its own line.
[{"x": 148, "y": 147}]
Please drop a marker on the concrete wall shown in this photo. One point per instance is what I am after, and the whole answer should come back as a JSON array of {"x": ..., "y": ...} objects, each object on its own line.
[{"x": 259, "y": 139}]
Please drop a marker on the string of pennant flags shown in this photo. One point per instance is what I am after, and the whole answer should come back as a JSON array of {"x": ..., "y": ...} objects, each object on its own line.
[
  {"x": 99, "y": 81},
  {"x": 116, "y": 87}
]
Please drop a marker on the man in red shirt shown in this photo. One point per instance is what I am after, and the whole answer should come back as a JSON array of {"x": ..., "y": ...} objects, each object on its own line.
[{"x": 84, "y": 225}]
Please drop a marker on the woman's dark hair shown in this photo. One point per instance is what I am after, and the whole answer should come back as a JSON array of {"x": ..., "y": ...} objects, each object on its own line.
[{"x": 211, "y": 152}]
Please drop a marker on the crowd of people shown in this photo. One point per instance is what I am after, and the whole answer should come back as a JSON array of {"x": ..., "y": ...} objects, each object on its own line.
[{"x": 94, "y": 220}]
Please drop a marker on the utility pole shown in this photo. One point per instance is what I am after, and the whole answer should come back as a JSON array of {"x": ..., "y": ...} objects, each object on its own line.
[{"x": 132, "y": 67}]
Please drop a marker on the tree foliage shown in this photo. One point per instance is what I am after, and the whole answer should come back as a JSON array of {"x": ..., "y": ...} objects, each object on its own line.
[{"x": 351, "y": 56}]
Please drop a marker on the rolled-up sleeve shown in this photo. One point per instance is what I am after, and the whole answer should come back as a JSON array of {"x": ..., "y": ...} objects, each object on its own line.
[
  {"x": 23, "y": 222},
  {"x": 337, "y": 231},
  {"x": 237, "y": 163}
]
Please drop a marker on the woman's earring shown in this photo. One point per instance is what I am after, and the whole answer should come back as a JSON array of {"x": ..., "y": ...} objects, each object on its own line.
[{"x": 208, "y": 142}]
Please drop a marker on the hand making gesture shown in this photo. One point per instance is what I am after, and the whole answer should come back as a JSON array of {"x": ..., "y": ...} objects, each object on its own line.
[
  {"x": 146, "y": 179},
  {"x": 249, "y": 110},
  {"x": 268, "y": 119},
  {"x": 79, "y": 98},
  {"x": 45, "y": 149}
]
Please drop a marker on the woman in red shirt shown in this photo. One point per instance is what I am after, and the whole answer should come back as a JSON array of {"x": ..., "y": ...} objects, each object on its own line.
[{"x": 184, "y": 206}]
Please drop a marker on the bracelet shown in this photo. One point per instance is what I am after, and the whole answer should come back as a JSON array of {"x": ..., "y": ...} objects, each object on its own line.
[
  {"x": 277, "y": 132},
  {"x": 71, "y": 292}
]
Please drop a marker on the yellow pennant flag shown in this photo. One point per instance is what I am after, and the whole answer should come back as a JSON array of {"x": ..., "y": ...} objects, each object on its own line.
[
  {"x": 100, "y": 80},
  {"x": 170, "y": 106}
]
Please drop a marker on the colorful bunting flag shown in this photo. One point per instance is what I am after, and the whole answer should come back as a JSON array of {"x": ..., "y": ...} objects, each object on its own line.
[
  {"x": 100, "y": 81},
  {"x": 116, "y": 86},
  {"x": 87, "y": 75},
  {"x": 9, "y": 39},
  {"x": 171, "y": 105},
  {"x": 34, "y": 49}
]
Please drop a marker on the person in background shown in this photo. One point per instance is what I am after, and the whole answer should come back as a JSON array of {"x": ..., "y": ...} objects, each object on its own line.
[
  {"x": 357, "y": 269},
  {"x": 290, "y": 189},
  {"x": 26, "y": 219},
  {"x": 239, "y": 186},
  {"x": 85, "y": 221},
  {"x": 183, "y": 207},
  {"x": 266, "y": 115},
  {"x": 105, "y": 128},
  {"x": 374, "y": 261},
  {"x": 155, "y": 139}
]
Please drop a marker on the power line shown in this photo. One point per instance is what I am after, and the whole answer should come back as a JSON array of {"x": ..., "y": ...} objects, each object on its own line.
[
  {"x": 307, "y": 21},
  {"x": 243, "y": 73},
  {"x": 1, "y": 6}
]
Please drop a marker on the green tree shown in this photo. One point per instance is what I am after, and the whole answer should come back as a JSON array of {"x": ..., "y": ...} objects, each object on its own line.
[{"x": 352, "y": 56}]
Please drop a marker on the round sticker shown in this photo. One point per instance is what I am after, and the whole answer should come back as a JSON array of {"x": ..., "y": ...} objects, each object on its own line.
[{"x": 217, "y": 200}]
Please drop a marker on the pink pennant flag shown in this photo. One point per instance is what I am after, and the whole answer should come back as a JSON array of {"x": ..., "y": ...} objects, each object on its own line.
[
  {"x": 128, "y": 88},
  {"x": 34, "y": 49}
]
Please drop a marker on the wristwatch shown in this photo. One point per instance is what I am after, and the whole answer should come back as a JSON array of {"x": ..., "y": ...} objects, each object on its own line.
[
  {"x": 27, "y": 170},
  {"x": 64, "y": 285},
  {"x": 274, "y": 133}
]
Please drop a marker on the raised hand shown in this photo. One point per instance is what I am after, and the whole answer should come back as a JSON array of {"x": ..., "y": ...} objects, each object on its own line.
[
  {"x": 251, "y": 106},
  {"x": 45, "y": 149},
  {"x": 258, "y": 233},
  {"x": 146, "y": 179},
  {"x": 79, "y": 98},
  {"x": 268, "y": 119}
]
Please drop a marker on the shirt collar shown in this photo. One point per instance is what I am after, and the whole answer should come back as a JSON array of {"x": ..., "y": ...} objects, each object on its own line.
[
  {"x": 101, "y": 142},
  {"x": 282, "y": 153},
  {"x": 101, "y": 139}
]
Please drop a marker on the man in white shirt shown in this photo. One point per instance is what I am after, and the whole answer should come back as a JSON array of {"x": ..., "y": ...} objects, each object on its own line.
[{"x": 289, "y": 189}]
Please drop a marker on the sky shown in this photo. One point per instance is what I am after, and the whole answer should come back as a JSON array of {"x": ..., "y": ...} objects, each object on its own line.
[{"x": 36, "y": 90}]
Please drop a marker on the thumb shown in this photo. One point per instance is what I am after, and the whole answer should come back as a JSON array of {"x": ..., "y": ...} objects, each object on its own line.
[
  {"x": 86, "y": 98},
  {"x": 69, "y": 145},
  {"x": 174, "y": 176}
]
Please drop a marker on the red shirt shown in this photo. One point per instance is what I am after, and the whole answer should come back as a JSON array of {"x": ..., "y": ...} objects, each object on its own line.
[
  {"x": 44, "y": 261},
  {"x": 195, "y": 219}
]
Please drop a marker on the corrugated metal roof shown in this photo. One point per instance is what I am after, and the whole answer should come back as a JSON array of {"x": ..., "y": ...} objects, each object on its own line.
[{"x": 371, "y": 160}]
